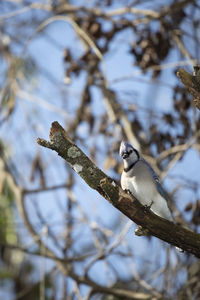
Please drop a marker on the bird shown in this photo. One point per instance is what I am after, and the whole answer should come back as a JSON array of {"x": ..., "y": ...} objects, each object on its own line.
[{"x": 139, "y": 179}]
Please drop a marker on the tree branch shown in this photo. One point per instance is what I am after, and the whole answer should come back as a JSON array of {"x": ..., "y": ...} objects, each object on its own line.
[
  {"x": 115, "y": 112},
  {"x": 127, "y": 204},
  {"x": 192, "y": 83}
]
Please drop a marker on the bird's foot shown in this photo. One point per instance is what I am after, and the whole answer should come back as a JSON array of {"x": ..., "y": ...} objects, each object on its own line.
[
  {"x": 128, "y": 191},
  {"x": 148, "y": 207},
  {"x": 139, "y": 231}
]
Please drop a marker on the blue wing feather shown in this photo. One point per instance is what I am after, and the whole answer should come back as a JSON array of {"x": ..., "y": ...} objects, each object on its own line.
[{"x": 158, "y": 184}]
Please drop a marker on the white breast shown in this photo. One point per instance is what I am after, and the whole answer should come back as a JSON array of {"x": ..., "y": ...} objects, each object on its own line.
[
  {"x": 141, "y": 192},
  {"x": 147, "y": 194}
]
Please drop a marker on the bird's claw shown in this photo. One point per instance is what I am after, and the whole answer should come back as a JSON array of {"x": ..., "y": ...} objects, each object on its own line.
[
  {"x": 128, "y": 191},
  {"x": 148, "y": 207},
  {"x": 139, "y": 231}
]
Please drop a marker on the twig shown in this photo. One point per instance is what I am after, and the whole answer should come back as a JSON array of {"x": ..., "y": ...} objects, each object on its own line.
[
  {"x": 84, "y": 36},
  {"x": 42, "y": 102},
  {"x": 44, "y": 189},
  {"x": 115, "y": 111},
  {"x": 181, "y": 46},
  {"x": 136, "y": 11},
  {"x": 96, "y": 11},
  {"x": 25, "y": 9},
  {"x": 55, "y": 258}
]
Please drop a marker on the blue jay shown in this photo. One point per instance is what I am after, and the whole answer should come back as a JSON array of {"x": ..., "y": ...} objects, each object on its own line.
[
  {"x": 141, "y": 181},
  {"x": 139, "y": 178}
]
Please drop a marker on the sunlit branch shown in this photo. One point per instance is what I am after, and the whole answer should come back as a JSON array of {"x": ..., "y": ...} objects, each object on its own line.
[{"x": 96, "y": 179}]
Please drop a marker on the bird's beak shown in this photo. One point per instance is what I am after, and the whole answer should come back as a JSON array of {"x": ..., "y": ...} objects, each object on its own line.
[
  {"x": 122, "y": 151},
  {"x": 125, "y": 155}
]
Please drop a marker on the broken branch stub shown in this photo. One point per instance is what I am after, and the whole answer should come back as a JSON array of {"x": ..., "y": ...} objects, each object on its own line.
[{"x": 192, "y": 83}]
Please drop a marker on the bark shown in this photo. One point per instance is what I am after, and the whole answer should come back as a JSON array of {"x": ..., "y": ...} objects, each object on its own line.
[
  {"x": 192, "y": 83},
  {"x": 127, "y": 204}
]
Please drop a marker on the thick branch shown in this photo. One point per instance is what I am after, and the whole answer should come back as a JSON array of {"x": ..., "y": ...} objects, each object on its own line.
[
  {"x": 192, "y": 83},
  {"x": 96, "y": 179}
]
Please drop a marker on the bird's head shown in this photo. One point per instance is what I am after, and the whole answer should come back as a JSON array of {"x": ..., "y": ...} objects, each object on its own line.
[{"x": 128, "y": 153}]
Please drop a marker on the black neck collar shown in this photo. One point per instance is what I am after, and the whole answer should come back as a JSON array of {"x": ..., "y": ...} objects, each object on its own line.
[{"x": 131, "y": 166}]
